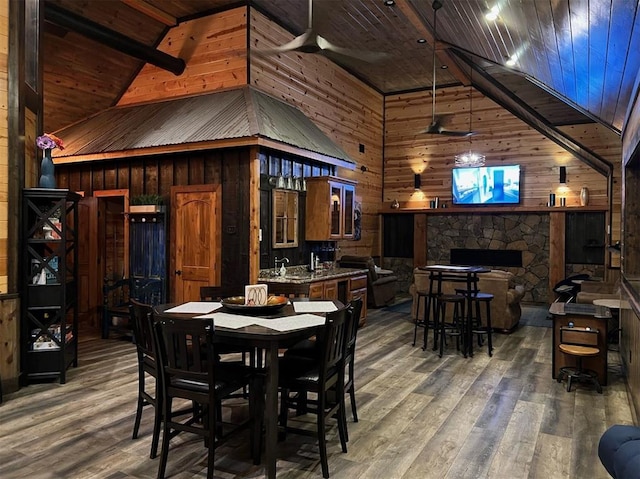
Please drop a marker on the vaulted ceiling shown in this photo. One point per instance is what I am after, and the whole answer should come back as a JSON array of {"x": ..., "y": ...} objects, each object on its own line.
[{"x": 571, "y": 61}]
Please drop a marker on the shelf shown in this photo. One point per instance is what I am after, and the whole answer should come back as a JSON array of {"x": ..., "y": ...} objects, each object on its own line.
[
  {"x": 49, "y": 309},
  {"x": 417, "y": 207}
]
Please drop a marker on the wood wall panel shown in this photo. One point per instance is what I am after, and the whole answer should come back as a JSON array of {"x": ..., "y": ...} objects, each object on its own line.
[
  {"x": 502, "y": 137},
  {"x": 215, "y": 51},
  {"x": 9, "y": 343},
  {"x": 343, "y": 107},
  {"x": 4, "y": 147},
  {"x": 608, "y": 145}
]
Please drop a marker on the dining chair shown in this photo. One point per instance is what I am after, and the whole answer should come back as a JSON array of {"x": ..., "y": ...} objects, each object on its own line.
[
  {"x": 325, "y": 379},
  {"x": 355, "y": 309},
  {"x": 185, "y": 350},
  {"x": 142, "y": 325},
  {"x": 218, "y": 293}
]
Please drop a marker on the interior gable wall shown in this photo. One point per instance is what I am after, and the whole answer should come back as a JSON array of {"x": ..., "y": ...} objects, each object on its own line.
[
  {"x": 502, "y": 137},
  {"x": 343, "y": 107},
  {"x": 214, "y": 49}
]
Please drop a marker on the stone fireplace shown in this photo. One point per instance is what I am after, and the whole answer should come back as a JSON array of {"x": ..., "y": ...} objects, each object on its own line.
[{"x": 498, "y": 239}]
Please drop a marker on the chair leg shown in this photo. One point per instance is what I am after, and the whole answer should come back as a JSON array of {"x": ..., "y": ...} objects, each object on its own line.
[
  {"x": 157, "y": 424},
  {"x": 489, "y": 330},
  {"x": 166, "y": 437},
  {"x": 256, "y": 412},
  {"x": 212, "y": 415},
  {"x": 322, "y": 439},
  {"x": 136, "y": 423},
  {"x": 352, "y": 395}
]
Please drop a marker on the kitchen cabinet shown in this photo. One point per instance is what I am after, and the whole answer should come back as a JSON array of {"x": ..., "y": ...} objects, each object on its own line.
[
  {"x": 358, "y": 289},
  {"x": 49, "y": 330},
  {"x": 330, "y": 208}
]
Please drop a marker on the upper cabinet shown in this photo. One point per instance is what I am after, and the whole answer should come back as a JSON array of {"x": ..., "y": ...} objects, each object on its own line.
[
  {"x": 285, "y": 218},
  {"x": 330, "y": 208}
]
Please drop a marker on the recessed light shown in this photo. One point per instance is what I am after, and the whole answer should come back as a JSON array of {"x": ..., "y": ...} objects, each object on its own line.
[
  {"x": 421, "y": 40},
  {"x": 389, "y": 3},
  {"x": 444, "y": 67},
  {"x": 492, "y": 14}
]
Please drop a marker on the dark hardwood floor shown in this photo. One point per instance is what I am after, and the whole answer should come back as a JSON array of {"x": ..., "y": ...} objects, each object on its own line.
[{"x": 420, "y": 417}]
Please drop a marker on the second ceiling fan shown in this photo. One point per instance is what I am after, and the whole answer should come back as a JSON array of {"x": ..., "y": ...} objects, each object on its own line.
[
  {"x": 310, "y": 41},
  {"x": 438, "y": 121}
]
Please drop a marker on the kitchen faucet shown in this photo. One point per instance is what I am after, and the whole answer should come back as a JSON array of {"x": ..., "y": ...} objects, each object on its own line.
[{"x": 282, "y": 267}]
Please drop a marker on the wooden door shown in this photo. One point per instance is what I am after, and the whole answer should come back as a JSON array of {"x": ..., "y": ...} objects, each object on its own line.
[
  {"x": 88, "y": 297},
  {"x": 109, "y": 240},
  {"x": 196, "y": 239}
]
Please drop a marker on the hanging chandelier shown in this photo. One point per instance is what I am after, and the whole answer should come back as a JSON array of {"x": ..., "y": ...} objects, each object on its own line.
[{"x": 470, "y": 159}]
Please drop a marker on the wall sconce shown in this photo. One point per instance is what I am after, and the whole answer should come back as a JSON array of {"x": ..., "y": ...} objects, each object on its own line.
[
  {"x": 563, "y": 175},
  {"x": 416, "y": 181}
]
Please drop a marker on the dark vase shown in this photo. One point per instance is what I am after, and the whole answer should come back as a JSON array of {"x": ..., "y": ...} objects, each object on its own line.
[{"x": 47, "y": 177}]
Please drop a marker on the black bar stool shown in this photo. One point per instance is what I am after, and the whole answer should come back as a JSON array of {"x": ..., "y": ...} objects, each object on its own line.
[
  {"x": 476, "y": 324},
  {"x": 428, "y": 320},
  {"x": 454, "y": 328}
]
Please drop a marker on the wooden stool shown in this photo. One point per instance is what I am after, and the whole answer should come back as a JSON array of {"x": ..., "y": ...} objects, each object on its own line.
[
  {"x": 474, "y": 299},
  {"x": 456, "y": 326},
  {"x": 426, "y": 322},
  {"x": 581, "y": 343}
]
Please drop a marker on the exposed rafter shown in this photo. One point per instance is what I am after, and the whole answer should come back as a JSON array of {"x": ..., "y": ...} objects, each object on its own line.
[
  {"x": 71, "y": 21},
  {"x": 151, "y": 12},
  {"x": 489, "y": 87}
]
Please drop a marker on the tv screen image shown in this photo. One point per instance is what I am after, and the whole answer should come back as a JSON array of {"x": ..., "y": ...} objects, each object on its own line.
[{"x": 486, "y": 185}]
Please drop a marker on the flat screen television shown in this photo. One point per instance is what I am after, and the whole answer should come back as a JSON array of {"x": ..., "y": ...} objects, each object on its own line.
[{"x": 486, "y": 185}]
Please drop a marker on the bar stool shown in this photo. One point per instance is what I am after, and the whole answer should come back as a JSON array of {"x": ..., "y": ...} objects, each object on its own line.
[
  {"x": 429, "y": 300},
  {"x": 580, "y": 343},
  {"x": 456, "y": 326},
  {"x": 477, "y": 327}
]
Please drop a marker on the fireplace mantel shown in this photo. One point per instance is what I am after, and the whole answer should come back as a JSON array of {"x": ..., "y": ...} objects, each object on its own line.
[{"x": 410, "y": 208}]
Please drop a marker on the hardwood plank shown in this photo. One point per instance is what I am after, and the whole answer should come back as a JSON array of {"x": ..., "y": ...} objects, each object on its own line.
[{"x": 420, "y": 416}]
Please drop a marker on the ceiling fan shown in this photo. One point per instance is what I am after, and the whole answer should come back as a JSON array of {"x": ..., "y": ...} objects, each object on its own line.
[
  {"x": 312, "y": 42},
  {"x": 438, "y": 121}
]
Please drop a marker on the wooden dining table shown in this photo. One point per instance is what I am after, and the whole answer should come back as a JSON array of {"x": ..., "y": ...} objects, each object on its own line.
[{"x": 270, "y": 341}]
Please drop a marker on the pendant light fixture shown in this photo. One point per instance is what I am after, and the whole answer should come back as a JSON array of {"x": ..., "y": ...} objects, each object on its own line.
[{"x": 470, "y": 159}]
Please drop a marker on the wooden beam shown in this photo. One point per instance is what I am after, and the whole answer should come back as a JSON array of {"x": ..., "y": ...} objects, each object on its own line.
[
  {"x": 152, "y": 12},
  {"x": 112, "y": 39}
]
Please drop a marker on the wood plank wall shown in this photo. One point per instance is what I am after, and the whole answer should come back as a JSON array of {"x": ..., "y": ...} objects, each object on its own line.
[
  {"x": 156, "y": 174},
  {"x": 4, "y": 144},
  {"x": 608, "y": 145},
  {"x": 343, "y": 107},
  {"x": 215, "y": 51},
  {"x": 502, "y": 137}
]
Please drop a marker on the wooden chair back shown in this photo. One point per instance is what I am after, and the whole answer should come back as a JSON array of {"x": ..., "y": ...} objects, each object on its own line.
[
  {"x": 216, "y": 293},
  {"x": 290, "y": 290}
]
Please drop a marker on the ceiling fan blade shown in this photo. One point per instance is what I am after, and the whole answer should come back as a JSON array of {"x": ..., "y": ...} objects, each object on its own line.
[
  {"x": 446, "y": 132},
  {"x": 363, "y": 55},
  {"x": 304, "y": 42}
]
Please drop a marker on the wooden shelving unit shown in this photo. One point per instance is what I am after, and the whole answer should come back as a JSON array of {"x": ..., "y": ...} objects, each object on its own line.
[{"x": 49, "y": 331}]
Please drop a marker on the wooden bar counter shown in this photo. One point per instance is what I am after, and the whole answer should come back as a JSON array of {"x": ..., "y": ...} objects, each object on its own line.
[{"x": 582, "y": 316}]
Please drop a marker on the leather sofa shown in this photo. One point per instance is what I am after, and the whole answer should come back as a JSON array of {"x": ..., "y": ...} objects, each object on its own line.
[
  {"x": 619, "y": 451},
  {"x": 590, "y": 290},
  {"x": 505, "y": 306},
  {"x": 381, "y": 290}
]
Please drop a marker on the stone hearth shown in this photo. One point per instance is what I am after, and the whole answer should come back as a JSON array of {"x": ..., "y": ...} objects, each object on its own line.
[{"x": 528, "y": 233}]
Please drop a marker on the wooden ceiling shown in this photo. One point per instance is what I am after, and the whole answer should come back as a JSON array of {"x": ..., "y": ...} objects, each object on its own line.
[{"x": 575, "y": 60}]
